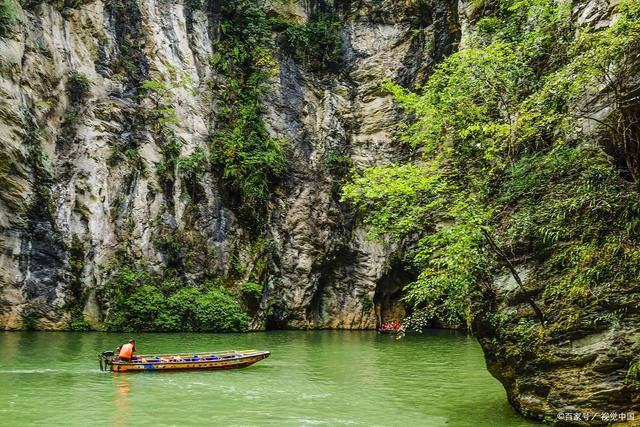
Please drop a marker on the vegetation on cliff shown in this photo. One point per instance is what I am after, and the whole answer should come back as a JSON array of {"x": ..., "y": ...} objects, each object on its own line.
[
  {"x": 249, "y": 157},
  {"x": 190, "y": 292},
  {"x": 8, "y": 12},
  {"x": 141, "y": 301},
  {"x": 317, "y": 43},
  {"x": 501, "y": 154},
  {"x": 78, "y": 292},
  {"x": 523, "y": 187}
]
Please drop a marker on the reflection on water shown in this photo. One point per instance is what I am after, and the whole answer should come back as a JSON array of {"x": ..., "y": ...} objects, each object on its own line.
[
  {"x": 312, "y": 378},
  {"x": 122, "y": 387}
]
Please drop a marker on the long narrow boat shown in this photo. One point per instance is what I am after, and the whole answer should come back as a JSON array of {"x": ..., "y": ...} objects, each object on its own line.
[{"x": 230, "y": 359}]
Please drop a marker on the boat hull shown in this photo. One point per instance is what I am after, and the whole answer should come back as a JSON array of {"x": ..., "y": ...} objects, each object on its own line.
[
  {"x": 389, "y": 331},
  {"x": 236, "y": 361}
]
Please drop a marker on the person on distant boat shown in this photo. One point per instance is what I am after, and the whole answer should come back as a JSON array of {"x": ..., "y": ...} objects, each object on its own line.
[{"x": 127, "y": 350}]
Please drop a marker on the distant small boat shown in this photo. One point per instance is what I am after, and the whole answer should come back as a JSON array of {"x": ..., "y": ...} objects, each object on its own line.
[
  {"x": 230, "y": 359},
  {"x": 391, "y": 328}
]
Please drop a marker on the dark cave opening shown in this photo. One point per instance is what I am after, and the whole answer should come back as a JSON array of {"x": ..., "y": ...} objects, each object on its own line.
[{"x": 388, "y": 295}]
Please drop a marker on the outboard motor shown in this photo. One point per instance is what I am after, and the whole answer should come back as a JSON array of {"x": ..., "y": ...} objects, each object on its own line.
[{"x": 105, "y": 360}]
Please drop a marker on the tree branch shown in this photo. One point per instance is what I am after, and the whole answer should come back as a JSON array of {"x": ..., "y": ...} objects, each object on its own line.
[{"x": 494, "y": 246}]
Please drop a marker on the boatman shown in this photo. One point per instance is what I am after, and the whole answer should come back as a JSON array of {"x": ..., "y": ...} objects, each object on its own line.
[{"x": 127, "y": 350}]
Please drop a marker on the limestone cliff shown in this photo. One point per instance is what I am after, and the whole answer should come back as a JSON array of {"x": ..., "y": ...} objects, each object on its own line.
[{"x": 83, "y": 177}]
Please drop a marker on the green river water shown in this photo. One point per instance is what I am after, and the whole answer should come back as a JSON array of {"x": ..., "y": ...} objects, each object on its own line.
[{"x": 315, "y": 378}]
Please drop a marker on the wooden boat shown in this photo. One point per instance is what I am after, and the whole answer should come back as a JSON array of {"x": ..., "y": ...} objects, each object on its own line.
[
  {"x": 230, "y": 359},
  {"x": 391, "y": 328},
  {"x": 389, "y": 331}
]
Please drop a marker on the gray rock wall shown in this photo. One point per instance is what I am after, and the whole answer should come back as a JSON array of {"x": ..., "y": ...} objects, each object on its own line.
[{"x": 65, "y": 172}]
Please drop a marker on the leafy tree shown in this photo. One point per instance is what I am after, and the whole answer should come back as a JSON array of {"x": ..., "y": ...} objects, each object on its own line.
[{"x": 497, "y": 161}]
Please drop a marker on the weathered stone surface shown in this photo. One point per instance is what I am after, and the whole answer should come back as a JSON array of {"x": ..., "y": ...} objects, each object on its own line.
[
  {"x": 63, "y": 173},
  {"x": 577, "y": 362}
]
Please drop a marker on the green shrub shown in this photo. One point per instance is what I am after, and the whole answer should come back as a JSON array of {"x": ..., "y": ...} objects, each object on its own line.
[
  {"x": 195, "y": 164},
  {"x": 216, "y": 311},
  {"x": 181, "y": 309},
  {"x": 178, "y": 313},
  {"x": 143, "y": 307},
  {"x": 252, "y": 290},
  {"x": 633, "y": 374},
  {"x": 338, "y": 164},
  {"x": 78, "y": 87},
  {"x": 316, "y": 44},
  {"x": 192, "y": 168},
  {"x": 139, "y": 301},
  {"x": 130, "y": 155},
  {"x": 8, "y": 16},
  {"x": 116, "y": 292}
]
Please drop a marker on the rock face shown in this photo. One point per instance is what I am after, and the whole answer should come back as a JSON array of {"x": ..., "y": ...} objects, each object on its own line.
[
  {"x": 577, "y": 367},
  {"x": 80, "y": 158},
  {"x": 571, "y": 365}
]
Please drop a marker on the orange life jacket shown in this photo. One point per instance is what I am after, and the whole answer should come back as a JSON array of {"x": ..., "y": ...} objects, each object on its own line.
[{"x": 126, "y": 351}]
